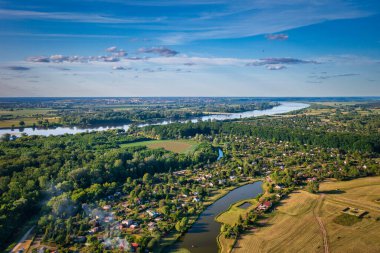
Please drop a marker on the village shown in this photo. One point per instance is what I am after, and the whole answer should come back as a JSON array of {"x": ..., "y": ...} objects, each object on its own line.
[{"x": 144, "y": 212}]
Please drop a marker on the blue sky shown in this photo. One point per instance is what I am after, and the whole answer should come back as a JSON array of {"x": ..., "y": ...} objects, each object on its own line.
[{"x": 189, "y": 48}]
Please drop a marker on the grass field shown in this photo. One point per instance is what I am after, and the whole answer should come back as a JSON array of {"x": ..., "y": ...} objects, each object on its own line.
[
  {"x": 177, "y": 146},
  {"x": 231, "y": 217},
  {"x": 28, "y": 122},
  {"x": 303, "y": 221},
  {"x": 29, "y": 116},
  {"x": 26, "y": 112}
]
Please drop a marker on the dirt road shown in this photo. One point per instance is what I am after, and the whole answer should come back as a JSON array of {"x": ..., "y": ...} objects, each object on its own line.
[{"x": 320, "y": 222}]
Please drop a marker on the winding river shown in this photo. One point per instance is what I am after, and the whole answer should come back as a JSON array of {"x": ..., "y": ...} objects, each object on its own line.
[
  {"x": 201, "y": 237},
  {"x": 284, "y": 107}
]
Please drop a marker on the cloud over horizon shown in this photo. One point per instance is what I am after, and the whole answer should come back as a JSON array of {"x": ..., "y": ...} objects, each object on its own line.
[
  {"x": 166, "y": 56},
  {"x": 18, "y": 68},
  {"x": 162, "y": 51}
]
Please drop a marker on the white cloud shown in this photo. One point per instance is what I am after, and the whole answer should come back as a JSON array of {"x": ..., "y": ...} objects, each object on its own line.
[
  {"x": 275, "y": 67},
  {"x": 163, "y": 51},
  {"x": 175, "y": 59},
  {"x": 280, "y": 36},
  {"x": 111, "y": 49},
  {"x": 73, "y": 17}
]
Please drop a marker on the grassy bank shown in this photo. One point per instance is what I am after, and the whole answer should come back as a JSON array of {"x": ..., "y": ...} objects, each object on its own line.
[
  {"x": 231, "y": 217},
  {"x": 217, "y": 194}
]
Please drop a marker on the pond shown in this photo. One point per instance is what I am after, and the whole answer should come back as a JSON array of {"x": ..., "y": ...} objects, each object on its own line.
[
  {"x": 201, "y": 237},
  {"x": 245, "y": 205},
  {"x": 282, "y": 108}
]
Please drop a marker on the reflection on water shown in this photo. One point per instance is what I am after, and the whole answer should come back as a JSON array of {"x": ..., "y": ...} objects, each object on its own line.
[{"x": 282, "y": 108}]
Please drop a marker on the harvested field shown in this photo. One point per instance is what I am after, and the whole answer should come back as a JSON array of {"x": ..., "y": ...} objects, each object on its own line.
[{"x": 302, "y": 221}]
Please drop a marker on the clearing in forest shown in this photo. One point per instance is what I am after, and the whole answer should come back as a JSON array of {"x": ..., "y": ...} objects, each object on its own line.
[{"x": 177, "y": 146}]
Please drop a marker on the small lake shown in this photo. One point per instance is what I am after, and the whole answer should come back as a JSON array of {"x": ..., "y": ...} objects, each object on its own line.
[
  {"x": 282, "y": 108},
  {"x": 201, "y": 237}
]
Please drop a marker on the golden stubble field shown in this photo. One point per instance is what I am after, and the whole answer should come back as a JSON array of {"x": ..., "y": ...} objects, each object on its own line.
[{"x": 304, "y": 222}]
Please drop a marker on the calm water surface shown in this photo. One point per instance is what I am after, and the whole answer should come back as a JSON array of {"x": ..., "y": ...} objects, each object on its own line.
[
  {"x": 282, "y": 108},
  {"x": 201, "y": 237},
  {"x": 220, "y": 154}
]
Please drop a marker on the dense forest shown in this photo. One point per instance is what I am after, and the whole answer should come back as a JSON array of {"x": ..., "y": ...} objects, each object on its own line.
[{"x": 34, "y": 169}]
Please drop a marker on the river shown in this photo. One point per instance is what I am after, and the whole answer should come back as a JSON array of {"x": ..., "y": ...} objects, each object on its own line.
[
  {"x": 201, "y": 237},
  {"x": 220, "y": 154},
  {"x": 284, "y": 107}
]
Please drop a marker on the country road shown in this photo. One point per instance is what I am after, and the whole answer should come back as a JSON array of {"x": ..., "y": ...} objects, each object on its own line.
[
  {"x": 320, "y": 223},
  {"x": 324, "y": 233}
]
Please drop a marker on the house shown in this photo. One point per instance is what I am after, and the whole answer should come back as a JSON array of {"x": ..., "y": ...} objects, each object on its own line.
[
  {"x": 279, "y": 186},
  {"x": 134, "y": 225},
  {"x": 195, "y": 199},
  {"x": 221, "y": 181},
  {"x": 264, "y": 206},
  {"x": 151, "y": 226},
  {"x": 311, "y": 179},
  {"x": 106, "y": 207},
  {"x": 94, "y": 230},
  {"x": 134, "y": 246},
  {"x": 127, "y": 223},
  {"x": 152, "y": 213}
]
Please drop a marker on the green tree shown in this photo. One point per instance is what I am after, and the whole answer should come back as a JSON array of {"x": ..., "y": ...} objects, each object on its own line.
[{"x": 312, "y": 186}]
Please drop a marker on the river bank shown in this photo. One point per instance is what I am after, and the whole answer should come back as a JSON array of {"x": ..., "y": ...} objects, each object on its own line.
[
  {"x": 172, "y": 238},
  {"x": 230, "y": 217},
  {"x": 284, "y": 107},
  {"x": 204, "y": 231}
]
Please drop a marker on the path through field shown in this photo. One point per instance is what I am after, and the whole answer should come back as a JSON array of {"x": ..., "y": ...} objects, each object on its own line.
[{"x": 316, "y": 211}]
